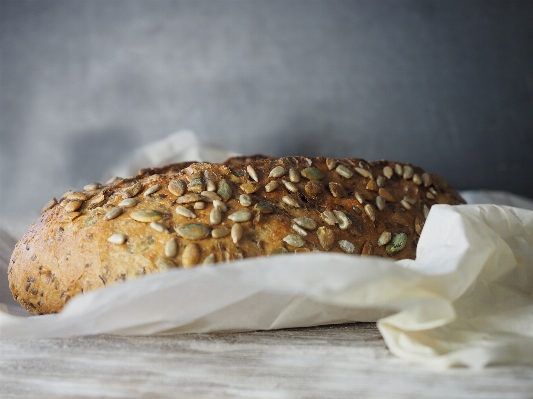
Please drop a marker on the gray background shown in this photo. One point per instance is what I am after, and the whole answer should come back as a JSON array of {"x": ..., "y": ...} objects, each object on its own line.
[{"x": 446, "y": 85}]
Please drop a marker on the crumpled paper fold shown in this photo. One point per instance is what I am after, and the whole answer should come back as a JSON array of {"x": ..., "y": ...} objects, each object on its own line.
[{"x": 467, "y": 299}]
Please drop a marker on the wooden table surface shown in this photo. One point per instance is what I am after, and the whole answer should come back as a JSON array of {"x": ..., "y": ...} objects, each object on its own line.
[{"x": 344, "y": 361}]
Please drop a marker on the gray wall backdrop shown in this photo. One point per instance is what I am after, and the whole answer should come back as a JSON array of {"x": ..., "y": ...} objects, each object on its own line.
[{"x": 447, "y": 85}]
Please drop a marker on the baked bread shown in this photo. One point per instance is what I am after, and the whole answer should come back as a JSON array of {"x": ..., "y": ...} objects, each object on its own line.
[{"x": 191, "y": 214}]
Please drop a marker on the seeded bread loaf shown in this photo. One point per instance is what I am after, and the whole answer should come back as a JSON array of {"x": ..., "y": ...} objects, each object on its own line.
[{"x": 191, "y": 214}]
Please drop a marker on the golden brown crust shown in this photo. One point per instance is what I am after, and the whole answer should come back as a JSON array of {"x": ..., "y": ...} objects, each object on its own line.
[{"x": 263, "y": 206}]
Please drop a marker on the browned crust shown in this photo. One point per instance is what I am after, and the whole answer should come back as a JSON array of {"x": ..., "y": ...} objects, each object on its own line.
[{"x": 65, "y": 253}]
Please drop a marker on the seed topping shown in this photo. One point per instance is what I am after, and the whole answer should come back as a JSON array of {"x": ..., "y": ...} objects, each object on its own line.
[
  {"x": 236, "y": 233},
  {"x": 209, "y": 260},
  {"x": 331, "y": 163},
  {"x": 398, "y": 169},
  {"x": 313, "y": 188},
  {"x": 92, "y": 186},
  {"x": 177, "y": 187},
  {"x": 426, "y": 179},
  {"x": 171, "y": 248},
  {"x": 151, "y": 190},
  {"x": 251, "y": 171},
  {"x": 363, "y": 172},
  {"x": 387, "y": 171},
  {"x": 397, "y": 243},
  {"x": 146, "y": 215},
  {"x": 294, "y": 177},
  {"x": 159, "y": 227},
  {"x": 386, "y": 194},
  {"x": 183, "y": 211},
  {"x": 312, "y": 173},
  {"x": 369, "y": 210},
  {"x": 326, "y": 237},
  {"x": 384, "y": 238},
  {"x": 299, "y": 230},
  {"x": 294, "y": 240},
  {"x": 188, "y": 198},
  {"x": 215, "y": 216},
  {"x": 305, "y": 222},
  {"x": 224, "y": 190},
  {"x": 344, "y": 171},
  {"x": 250, "y": 187},
  {"x": 337, "y": 190},
  {"x": 290, "y": 186},
  {"x": 191, "y": 255},
  {"x": 128, "y": 203},
  {"x": 278, "y": 251},
  {"x": 245, "y": 200},
  {"x": 117, "y": 238},
  {"x": 264, "y": 207},
  {"x": 219, "y": 233},
  {"x": 239, "y": 216},
  {"x": 220, "y": 205},
  {"x": 210, "y": 196},
  {"x": 193, "y": 231},
  {"x": 199, "y": 205},
  {"x": 271, "y": 186},
  {"x": 408, "y": 172},
  {"x": 278, "y": 171},
  {"x": 72, "y": 206},
  {"x": 346, "y": 246},
  {"x": 132, "y": 190},
  {"x": 343, "y": 220},
  {"x": 329, "y": 217},
  {"x": 113, "y": 213},
  {"x": 210, "y": 185},
  {"x": 49, "y": 205},
  {"x": 380, "y": 202},
  {"x": 290, "y": 201}
]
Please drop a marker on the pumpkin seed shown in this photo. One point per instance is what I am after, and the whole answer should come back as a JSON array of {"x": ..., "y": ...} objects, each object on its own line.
[
  {"x": 160, "y": 228},
  {"x": 384, "y": 238},
  {"x": 294, "y": 177},
  {"x": 219, "y": 233},
  {"x": 346, "y": 246},
  {"x": 290, "y": 186},
  {"x": 343, "y": 220},
  {"x": 251, "y": 171},
  {"x": 196, "y": 185},
  {"x": 76, "y": 196},
  {"x": 188, "y": 198},
  {"x": 128, "y": 203},
  {"x": 397, "y": 243},
  {"x": 177, "y": 187},
  {"x": 387, "y": 171},
  {"x": 245, "y": 200},
  {"x": 239, "y": 216},
  {"x": 278, "y": 251},
  {"x": 215, "y": 216},
  {"x": 171, "y": 248},
  {"x": 193, "y": 231},
  {"x": 117, "y": 238},
  {"x": 326, "y": 237},
  {"x": 344, "y": 171},
  {"x": 250, "y": 187},
  {"x": 369, "y": 210},
  {"x": 331, "y": 163},
  {"x": 278, "y": 171},
  {"x": 363, "y": 172},
  {"x": 264, "y": 207},
  {"x": 290, "y": 201},
  {"x": 113, "y": 213},
  {"x": 97, "y": 201},
  {"x": 305, "y": 222},
  {"x": 183, "y": 211},
  {"x": 312, "y": 173},
  {"x": 151, "y": 190},
  {"x": 190, "y": 255},
  {"x": 224, "y": 190},
  {"x": 146, "y": 215},
  {"x": 337, "y": 190},
  {"x": 271, "y": 186},
  {"x": 380, "y": 202},
  {"x": 236, "y": 233},
  {"x": 294, "y": 240}
]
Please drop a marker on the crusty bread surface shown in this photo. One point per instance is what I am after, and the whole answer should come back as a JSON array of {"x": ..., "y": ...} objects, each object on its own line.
[{"x": 190, "y": 214}]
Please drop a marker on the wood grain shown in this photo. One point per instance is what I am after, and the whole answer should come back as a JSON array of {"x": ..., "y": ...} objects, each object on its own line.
[{"x": 344, "y": 361}]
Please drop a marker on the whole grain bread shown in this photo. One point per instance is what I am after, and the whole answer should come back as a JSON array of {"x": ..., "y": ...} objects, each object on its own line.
[{"x": 190, "y": 214}]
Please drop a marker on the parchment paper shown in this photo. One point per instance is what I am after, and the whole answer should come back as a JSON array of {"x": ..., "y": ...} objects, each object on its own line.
[{"x": 467, "y": 299}]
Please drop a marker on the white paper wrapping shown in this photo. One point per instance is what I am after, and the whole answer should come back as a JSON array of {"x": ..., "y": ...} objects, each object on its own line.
[{"x": 467, "y": 299}]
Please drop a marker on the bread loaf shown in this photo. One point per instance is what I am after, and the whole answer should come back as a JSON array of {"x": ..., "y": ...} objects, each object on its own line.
[{"x": 191, "y": 214}]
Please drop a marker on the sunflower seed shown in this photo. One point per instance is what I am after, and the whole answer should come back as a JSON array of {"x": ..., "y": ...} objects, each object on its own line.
[
  {"x": 398, "y": 169},
  {"x": 397, "y": 243},
  {"x": 426, "y": 179},
  {"x": 251, "y": 171},
  {"x": 112, "y": 180},
  {"x": 336, "y": 190},
  {"x": 359, "y": 197},
  {"x": 312, "y": 173},
  {"x": 380, "y": 181},
  {"x": 408, "y": 172},
  {"x": 151, "y": 190},
  {"x": 278, "y": 251},
  {"x": 271, "y": 186},
  {"x": 193, "y": 231},
  {"x": 326, "y": 237},
  {"x": 331, "y": 163},
  {"x": 305, "y": 222},
  {"x": 128, "y": 203},
  {"x": 245, "y": 200},
  {"x": 236, "y": 233},
  {"x": 188, "y": 198},
  {"x": 416, "y": 179},
  {"x": 380, "y": 202},
  {"x": 429, "y": 195},
  {"x": 199, "y": 205},
  {"x": 290, "y": 201},
  {"x": 113, "y": 213},
  {"x": 363, "y": 172},
  {"x": 220, "y": 205},
  {"x": 264, "y": 207},
  {"x": 433, "y": 191},
  {"x": 117, "y": 238},
  {"x": 294, "y": 177},
  {"x": 346, "y": 246},
  {"x": 386, "y": 194},
  {"x": 329, "y": 217},
  {"x": 411, "y": 200},
  {"x": 387, "y": 171},
  {"x": 96, "y": 201},
  {"x": 209, "y": 260},
  {"x": 183, "y": 211},
  {"x": 215, "y": 216},
  {"x": 290, "y": 186},
  {"x": 219, "y": 233},
  {"x": 190, "y": 255},
  {"x": 49, "y": 205},
  {"x": 76, "y": 196},
  {"x": 92, "y": 186},
  {"x": 132, "y": 190},
  {"x": 72, "y": 206},
  {"x": 313, "y": 188},
  {"x": 405, "y": 204},
  {"x": 299, "y": 230},
  {"x": 146, "y": 215},
  {"x": 368, "y": 249},
  {"x": 419, "y": 225},
  {"x": 160, "y": 228},
  {"x": 343, "y": 220},
  {"x": 369, "y": 210},
  {"x": 242, "y": 215},
  {"x": 177, "y": 187},
  {"x": 426, "y": 211},
  {"x": 294, "y": 240},
  {"x": 210, "y": 196},
  {"x": 224, "y": 190},
  {"x": 278, "y": 171},
  {"x": 344, "y": 171},
  {"x": 171, "y": 248},
  {"x": 384, "y": 238},
  {"x": 210, "y": 185}
]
